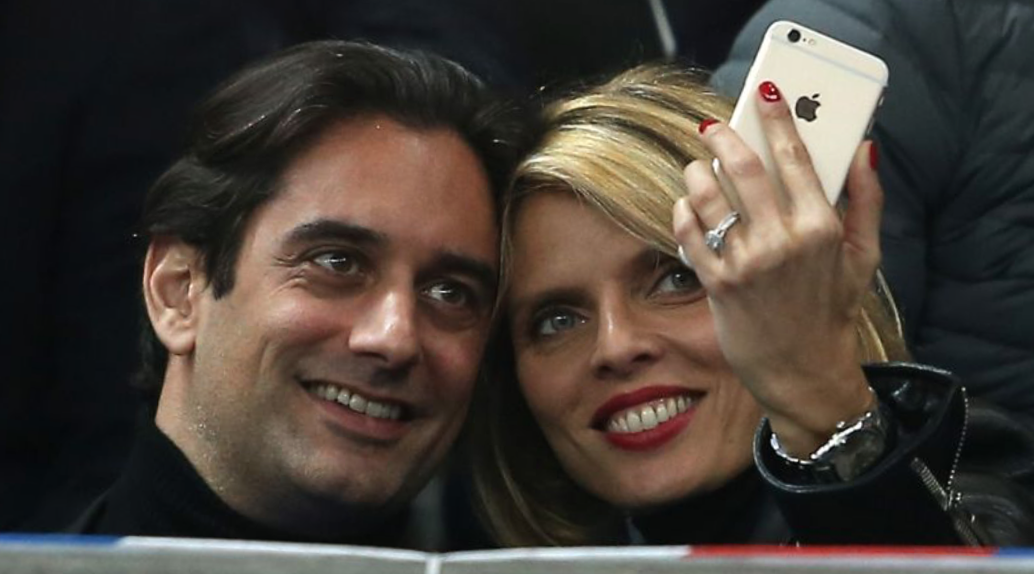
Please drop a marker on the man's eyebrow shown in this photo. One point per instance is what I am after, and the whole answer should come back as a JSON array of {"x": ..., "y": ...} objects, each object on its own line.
[
  {"x": 480, "y": 270},
  {"x": 322, "y": 229}
]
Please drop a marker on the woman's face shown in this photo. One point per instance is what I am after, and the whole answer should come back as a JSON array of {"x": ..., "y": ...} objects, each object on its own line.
[{"x": 617, "y": 357}]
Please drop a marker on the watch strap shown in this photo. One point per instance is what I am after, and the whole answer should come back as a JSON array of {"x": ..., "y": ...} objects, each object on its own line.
[{"x": 852, "y": 449}]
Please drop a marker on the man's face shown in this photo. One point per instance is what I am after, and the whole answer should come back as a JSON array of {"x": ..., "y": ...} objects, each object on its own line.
[{"x": 336, "y": 373}]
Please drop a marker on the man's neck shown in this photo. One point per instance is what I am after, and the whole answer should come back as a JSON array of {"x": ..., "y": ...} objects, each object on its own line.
[{"x": 162, "y": 494}]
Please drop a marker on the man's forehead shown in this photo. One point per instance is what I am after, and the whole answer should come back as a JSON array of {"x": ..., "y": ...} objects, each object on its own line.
[
  {"x": 373, "y": 138},
  {"x": 377, "y": 159},
  {"x": 378, "y": 181},
  {"x": 378, "y": 151}
]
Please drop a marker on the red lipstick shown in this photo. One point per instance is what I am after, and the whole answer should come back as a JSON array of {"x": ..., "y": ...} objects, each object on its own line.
[
  {"x": 647, "y": 439},
  {"x": 633, "y": 398},
  {"x": 653, "y": 438}
]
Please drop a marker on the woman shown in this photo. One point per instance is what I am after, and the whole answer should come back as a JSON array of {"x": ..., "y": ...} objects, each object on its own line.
[{"x": 640, "y": 382}]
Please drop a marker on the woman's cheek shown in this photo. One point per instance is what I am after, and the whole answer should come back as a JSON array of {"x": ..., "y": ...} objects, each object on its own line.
[{"x": 542, "y": 394}]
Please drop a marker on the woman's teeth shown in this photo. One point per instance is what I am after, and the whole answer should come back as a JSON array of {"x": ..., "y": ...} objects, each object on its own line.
[
  {"x": 357, "y": 402},
  {"x": 648, "y": 416}
]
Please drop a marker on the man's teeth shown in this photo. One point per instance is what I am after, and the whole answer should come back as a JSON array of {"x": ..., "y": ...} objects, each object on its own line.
[
  {"x": 357, "y": 402},
  {"x": 648, "y": 416}
]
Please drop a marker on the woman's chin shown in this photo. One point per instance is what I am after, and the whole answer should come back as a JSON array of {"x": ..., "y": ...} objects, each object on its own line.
[
  {"x": 640, "y": 495},
  {"x": 645, "y": 489}
]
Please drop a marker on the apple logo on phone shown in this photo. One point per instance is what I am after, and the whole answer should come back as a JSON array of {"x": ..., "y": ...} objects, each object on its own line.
[{"x": 807, "y": 108}]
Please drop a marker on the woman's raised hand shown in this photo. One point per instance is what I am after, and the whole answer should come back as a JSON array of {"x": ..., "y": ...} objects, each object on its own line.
[{"x": 786, "y": 283}]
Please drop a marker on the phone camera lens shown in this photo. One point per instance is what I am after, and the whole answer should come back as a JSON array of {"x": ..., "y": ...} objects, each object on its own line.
[{"x": 794, "y": 36}]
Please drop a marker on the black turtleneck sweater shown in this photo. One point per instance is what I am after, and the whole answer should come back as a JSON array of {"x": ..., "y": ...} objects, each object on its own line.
[
  {"x": 161, "y": 494},
  {"x": 740, "y": 512}
]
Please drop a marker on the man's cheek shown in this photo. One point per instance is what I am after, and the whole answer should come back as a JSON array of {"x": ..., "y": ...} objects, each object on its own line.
[
  {"x": 455, "y": 369},
  {"x": 303, "y": 318}
]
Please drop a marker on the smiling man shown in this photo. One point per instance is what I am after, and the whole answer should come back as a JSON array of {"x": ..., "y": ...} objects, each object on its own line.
[{"x": 320, "y": 282}]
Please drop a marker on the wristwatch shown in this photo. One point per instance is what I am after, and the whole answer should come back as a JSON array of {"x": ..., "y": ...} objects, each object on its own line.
[{"x": 854, "y": 447}]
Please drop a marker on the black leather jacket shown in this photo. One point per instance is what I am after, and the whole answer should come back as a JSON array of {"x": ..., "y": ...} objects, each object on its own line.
[{"x": 958, "y": 471}]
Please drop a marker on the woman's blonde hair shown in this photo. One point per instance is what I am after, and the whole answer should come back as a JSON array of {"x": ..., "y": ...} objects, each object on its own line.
[{"x": 621, "y": 147}]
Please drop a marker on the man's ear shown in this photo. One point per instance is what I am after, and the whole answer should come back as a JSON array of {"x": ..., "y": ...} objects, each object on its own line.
[{"x": 173, "y": 285}]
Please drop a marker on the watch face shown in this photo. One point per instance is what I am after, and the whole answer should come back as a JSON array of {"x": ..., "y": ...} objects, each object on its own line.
[
  {"x": 860, "y": 450},
  {"x": 847, "y": 455}
]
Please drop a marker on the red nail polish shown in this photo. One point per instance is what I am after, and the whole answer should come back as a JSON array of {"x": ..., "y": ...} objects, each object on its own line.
[
  {"x": 874, "y": 156},
  {"x": 769, "y": 92},
  {"x": 704, "y": 124}
]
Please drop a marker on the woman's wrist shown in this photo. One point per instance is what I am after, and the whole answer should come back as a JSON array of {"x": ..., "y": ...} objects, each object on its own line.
[
  {"x": 809, "y": 421},
  {"x": 854, "y": 448}
]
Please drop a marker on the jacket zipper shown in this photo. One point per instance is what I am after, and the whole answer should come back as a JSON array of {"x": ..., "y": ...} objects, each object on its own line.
[{"x": 945, "y": 495}]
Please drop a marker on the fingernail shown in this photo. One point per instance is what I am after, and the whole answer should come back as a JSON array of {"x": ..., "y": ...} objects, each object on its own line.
[
  {"x": 704, "y": 124},
  {"x": 874, "y": 156},
  {"x": 769, "y": 91}
]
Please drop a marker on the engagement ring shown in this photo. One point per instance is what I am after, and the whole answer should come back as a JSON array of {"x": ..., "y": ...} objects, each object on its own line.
[{"x": 715, "y": 238}]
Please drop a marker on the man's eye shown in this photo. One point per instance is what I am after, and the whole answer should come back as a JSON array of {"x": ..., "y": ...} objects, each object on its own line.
[
  {"x": 680, "y": 280},
  {"x": 337, "y": 262},
  {"x": 555, "y": 322},
  {"x": 451, "y": 294}
]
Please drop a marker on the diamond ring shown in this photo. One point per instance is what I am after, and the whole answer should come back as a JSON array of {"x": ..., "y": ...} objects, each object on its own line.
[{"x": 715, "y": 238}]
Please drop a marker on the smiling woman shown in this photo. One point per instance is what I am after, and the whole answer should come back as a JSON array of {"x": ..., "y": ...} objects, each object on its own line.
[
  {"x": 627, "y": 387},
  {"x": 635, "y": 337}
]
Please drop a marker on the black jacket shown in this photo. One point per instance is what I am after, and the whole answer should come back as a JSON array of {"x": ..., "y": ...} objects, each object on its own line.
[
  {"x": 958, "y": 472},
  {"x": 161, "y": 494}
]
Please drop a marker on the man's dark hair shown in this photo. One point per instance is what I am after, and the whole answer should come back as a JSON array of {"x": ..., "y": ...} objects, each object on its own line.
[{"x": 245, "y": 135}]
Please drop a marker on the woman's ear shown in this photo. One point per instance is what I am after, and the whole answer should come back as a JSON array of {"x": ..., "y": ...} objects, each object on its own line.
[{"x": 173, "y": 282}]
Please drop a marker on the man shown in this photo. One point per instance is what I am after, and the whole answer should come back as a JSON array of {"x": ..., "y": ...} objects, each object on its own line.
[
  {"x": 319, "y": 281},
  {"x": 93, "y": 104}
]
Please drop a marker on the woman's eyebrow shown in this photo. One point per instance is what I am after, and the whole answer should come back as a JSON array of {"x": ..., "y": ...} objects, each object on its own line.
[
  {"x": 537, "y": 299},
  {"x": 651, "y": 258}
]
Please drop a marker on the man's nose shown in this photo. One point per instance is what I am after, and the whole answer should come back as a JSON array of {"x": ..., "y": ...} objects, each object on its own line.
[
  {"x": 386, "y": 328},
  {"x": 624, "y": 341}
]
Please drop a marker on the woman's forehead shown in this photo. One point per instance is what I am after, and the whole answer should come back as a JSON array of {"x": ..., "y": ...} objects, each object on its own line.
[{"x": 559, "y": 240}]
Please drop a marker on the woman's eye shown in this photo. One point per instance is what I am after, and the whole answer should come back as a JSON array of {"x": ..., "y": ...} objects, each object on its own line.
[
  {"x": 679, "y": 280},
  {"x": 451, "y": 294},
  {"x": 337, "y": 262},
  {"x": 556, "y": 322}
]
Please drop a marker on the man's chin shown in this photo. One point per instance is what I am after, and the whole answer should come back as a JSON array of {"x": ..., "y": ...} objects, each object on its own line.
[
  {"x": 369, "y": 494},
  {"x": 336, "y": 516}
]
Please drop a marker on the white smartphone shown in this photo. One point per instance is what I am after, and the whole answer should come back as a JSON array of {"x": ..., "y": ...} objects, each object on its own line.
[{"x": 833, "y": 90}]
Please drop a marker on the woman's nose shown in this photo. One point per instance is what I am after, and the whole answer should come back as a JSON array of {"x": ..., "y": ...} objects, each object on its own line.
[{"x": 624, "y": 342}]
